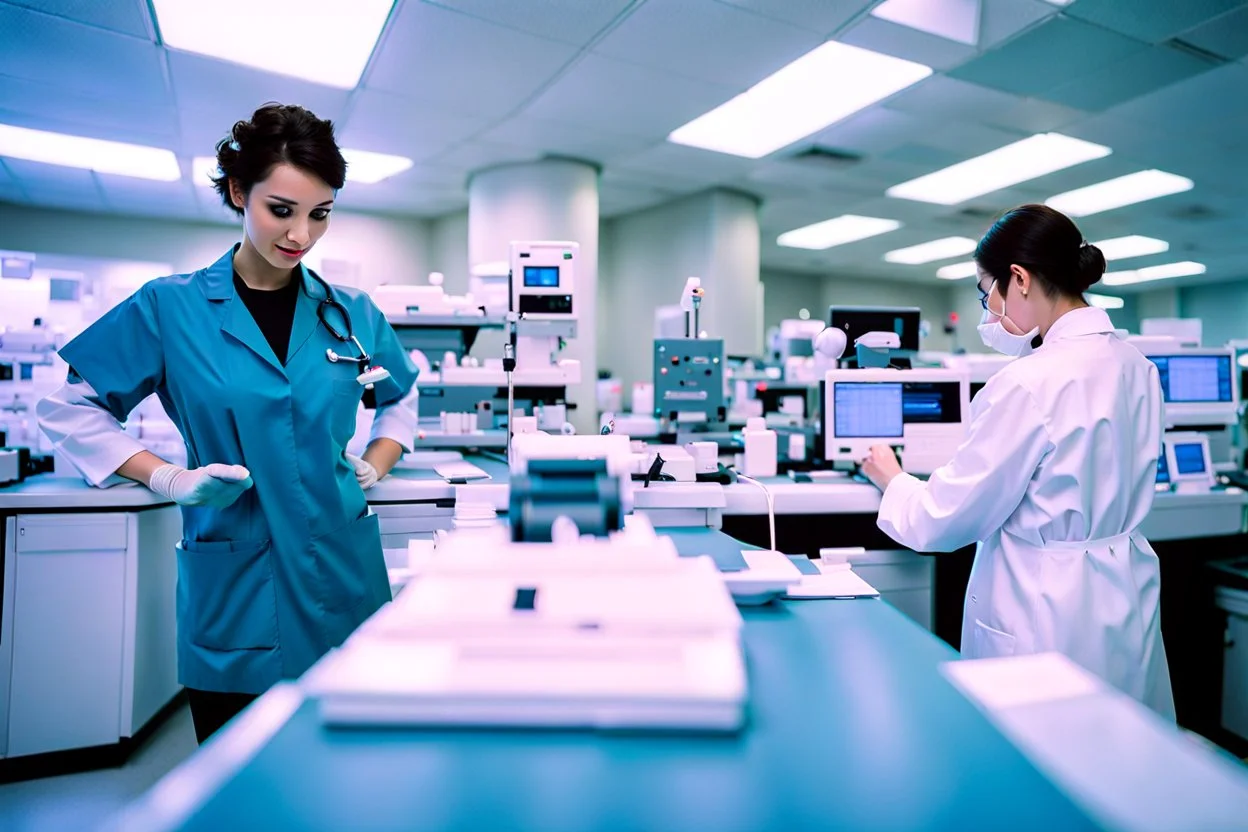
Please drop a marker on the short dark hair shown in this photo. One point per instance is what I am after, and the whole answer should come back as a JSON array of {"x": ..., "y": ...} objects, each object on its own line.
[
  {"x": 1046, "y": 243},
  {"x": 278, "y": 133}
]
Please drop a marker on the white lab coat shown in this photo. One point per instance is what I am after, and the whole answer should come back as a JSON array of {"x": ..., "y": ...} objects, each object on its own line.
[{"x": 1054, "y": 478}]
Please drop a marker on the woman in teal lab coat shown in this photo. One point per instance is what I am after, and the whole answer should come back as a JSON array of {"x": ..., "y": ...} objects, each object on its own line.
[{"x": 280, "y": 558}]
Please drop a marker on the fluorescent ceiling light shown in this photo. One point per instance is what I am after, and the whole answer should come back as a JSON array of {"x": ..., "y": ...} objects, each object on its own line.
[
  {"x": 323, "y": 41},
  {"x": 1105, "y": 301},
  {"x": 1115, "y": 193},
  {"x": 836, "y": 231},
  {"x": 941, "y": 249},
  {"x": 1124, "y": 278},
  {"x": 363, "y": 167},
  {"x": 822, "y": 87},
  {"x": 957, "y": 271},
  {"x": 1058, "y": 2},
  {"x": 368, "y": 168},
  {"x": 956, "y": 20},
  {"x": 90, "y": 154},
  {"x": 1026, "y": 159},
  {"x": 1120, "y": 248}
]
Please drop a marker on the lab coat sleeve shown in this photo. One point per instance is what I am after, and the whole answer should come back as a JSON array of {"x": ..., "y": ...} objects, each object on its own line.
[
  {"x": 396, "y": 416},
  {"x": 86, "y": 434},
  {"x": 976, "y": 492}
]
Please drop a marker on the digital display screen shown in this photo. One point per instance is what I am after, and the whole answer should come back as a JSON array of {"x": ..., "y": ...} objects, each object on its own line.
[
  {"x": 858, "y": 321},
  {"x": 931, "y": 402},
  {"x": 801, "y": 347},
  {"x": 1163, "y": 470},
  {"x": 1194, "y": 378},
  {"x": 867, "y": 409},
  {"x": 1189, "y": 458},
  {"x": 541, "y": 276}
]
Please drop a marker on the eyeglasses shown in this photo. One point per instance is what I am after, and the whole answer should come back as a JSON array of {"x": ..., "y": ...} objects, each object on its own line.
[{"x": 983, "y": 294}]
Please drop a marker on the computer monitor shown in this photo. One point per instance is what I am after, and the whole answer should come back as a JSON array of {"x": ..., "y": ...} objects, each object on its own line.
[
  {"x": 1163, "y": 469},
  {"x": 1198, "y": 386},
  {"x": 857, "y": 321},
  {"x": 921, "y": 412},
  {"x": 1188, "y": 462}
]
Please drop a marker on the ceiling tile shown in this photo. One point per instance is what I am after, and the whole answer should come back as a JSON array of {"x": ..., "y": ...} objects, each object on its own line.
[
  {"x": 1056, "y": 52},
  {"x": 874, "y": 130},
  {"x": 386, "y": 123},
  {"x": 1198, "y": 104},
  {"x": 826, "y": 17},
  {"x": 86, "y": 60},
  {"x": 688, "y": 163},
  {"x": 461, "y": 63},
  {"x": 469, "y": 157},
  {"x": 35, "y": 175},
  {"x": 46, "y": 107},
  {"x": 940, "y": 96},
  {"x": 213, "y": 94},
  {"x": 129, "y": 17},
  {"x": 1151, "y": 20},
  {"x": 641, "y": 101},
  {"x": 1003, "y": 19},
  {"x": 578, "y": 21},
  {"x": 561, "y": 139},
  {"x": 1136, "y": 75},
  {"x": 910, "y": 44},
  {"x": 1226, "y": 36},
  {"x": 707, "y": 40}
]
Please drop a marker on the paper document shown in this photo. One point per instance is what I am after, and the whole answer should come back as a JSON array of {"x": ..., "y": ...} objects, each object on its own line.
[{"x": 833, "y": 581}]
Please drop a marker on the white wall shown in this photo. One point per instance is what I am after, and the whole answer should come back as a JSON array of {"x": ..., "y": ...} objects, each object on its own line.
[
  {"x": 1222, "y": 307},
  {"x": 382, "y": 249},
  {"x": 787, "y": 293},
  {"x": 448, "y": 250}
]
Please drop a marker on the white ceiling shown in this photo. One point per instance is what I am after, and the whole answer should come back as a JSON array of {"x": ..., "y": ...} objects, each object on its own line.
[{"x": 458, "y": 85}]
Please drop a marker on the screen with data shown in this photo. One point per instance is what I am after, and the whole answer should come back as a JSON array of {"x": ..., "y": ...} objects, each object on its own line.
[
  {"x": 931, "y": 402},
  {"x": 867, "y": 409},
  {"x": 1189, "y": 458},
  {"x": 1194, "y": 378}
]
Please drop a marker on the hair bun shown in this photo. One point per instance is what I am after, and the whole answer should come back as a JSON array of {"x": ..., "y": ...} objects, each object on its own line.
[{"x": 1091, "y": 266}]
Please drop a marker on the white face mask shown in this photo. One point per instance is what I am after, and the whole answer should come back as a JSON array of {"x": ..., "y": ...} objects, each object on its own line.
[{"x": 997, "y": 337}]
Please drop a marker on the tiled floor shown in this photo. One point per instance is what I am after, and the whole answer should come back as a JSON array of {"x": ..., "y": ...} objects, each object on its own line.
[{"x": 84, "y": 801}]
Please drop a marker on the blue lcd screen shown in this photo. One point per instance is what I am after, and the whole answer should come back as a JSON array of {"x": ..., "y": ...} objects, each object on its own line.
[
  {"x": 1194, "y": 378},
  {"x": 1189, "y": 458},
  {"x": 1163, "y": 470},
  {"x": 547, "y": 276},
  {"x": 867, "y": 409}
]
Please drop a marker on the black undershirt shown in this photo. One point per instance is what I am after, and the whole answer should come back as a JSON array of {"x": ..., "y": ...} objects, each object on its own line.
[{"x": 274, "y": 311}]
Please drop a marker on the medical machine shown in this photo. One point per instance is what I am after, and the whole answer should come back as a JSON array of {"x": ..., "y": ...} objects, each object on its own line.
[
  {"x": 1187, "y": 331},
  {"x": 1188, "y": 464},
  {"x": 600, "y": 633},
  {"x": 921, "y": 413},
  {"x": 1200, "y": 391},
  {"x": 689, "y": 372},
  {"x": 870, "y": 325},
  {"x": 585, "y": 479},
  {"x": 24, "y": 349}
]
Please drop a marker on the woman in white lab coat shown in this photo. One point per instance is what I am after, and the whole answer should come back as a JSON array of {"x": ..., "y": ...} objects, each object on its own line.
[{"x": 1056, "y": 474}]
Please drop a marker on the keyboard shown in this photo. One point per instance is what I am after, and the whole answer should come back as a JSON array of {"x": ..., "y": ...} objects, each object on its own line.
[{"x": 460, "y": 472}]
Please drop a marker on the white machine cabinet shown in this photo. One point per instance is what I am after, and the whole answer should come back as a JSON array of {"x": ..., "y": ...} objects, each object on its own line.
[
  {"x": 1235, "y": 667},
  {"x": 87, "y": 636},
  {"x": 904, "y": 578}
]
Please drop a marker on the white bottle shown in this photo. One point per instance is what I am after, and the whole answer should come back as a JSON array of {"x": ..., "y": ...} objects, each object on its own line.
[{"x": 760, "y": 448}]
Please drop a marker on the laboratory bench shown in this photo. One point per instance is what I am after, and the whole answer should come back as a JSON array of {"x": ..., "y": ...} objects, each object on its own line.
[
  {"x": 87, "y": 622},
  {"x": 852, "y": 724}
]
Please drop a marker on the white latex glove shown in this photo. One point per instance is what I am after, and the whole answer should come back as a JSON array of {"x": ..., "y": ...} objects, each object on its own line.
[
  {"x": 214, "y": 485},
  {"x": 365, "y": 473}
]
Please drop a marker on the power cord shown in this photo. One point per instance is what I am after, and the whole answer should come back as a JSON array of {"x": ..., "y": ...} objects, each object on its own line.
[{"x": 771, "y": 507}]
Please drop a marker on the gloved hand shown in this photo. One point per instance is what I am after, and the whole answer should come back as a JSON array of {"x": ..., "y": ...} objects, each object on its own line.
[
  {"x": 365, "y": 473},
  {"x": 214, "y": 485}
]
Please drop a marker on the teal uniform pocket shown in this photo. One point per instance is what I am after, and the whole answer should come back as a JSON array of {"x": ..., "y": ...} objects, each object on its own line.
[
  {"x": 351, "y": 569},
  {"x": 346, "y": 405},
  {"x": 225, "y": 595}
]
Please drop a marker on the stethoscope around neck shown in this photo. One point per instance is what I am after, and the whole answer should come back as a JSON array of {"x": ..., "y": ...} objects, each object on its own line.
[{"x": 369, "y": 375}]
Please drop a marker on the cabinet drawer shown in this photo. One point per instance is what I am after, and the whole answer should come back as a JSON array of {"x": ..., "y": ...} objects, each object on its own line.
[{"x": 71, "y": 532}]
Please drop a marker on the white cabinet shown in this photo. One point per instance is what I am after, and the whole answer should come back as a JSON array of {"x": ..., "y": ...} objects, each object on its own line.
[
  {"x": 88, "y": 631},
  {"x": 68, "y": 617},
  {"x": 904, "y": 578}
]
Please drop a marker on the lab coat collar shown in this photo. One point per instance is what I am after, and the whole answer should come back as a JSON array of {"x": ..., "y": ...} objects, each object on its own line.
[
  {"x": 1090, "y": 320},
  {"x": 219, "y": 277}
]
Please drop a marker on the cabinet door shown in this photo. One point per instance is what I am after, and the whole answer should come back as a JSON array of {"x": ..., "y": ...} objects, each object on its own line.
[{"x": 68, "y": 618}]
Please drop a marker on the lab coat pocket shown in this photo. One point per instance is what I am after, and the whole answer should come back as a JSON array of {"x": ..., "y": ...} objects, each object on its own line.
[
  {"x": 226, "y": 599},
  {"x": 351, "y": 569},
  {"x": 991, "y": 642},
  {"x": 346, "y": 405}
]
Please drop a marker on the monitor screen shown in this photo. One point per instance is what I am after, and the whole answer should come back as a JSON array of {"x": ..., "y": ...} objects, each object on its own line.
[
  {"x": 867, "y": 409},
  {"x": 1194, "y": 378},
  {"x": 931, "y": 402},
  {"x": 1189, "y": 458},
  {"x": 541, "y": 276},
  {"x": 1163, "y": 470},
  {"x": 857, "y": 321},
  {"x": 801, "y": 347}
]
